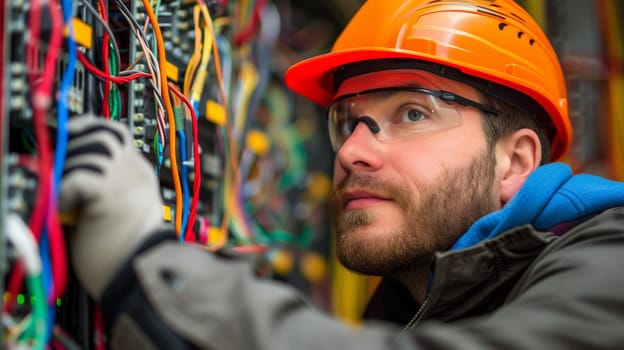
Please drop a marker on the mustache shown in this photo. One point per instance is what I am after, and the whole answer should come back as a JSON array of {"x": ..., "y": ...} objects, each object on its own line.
[{"x": 371, "y": 184}]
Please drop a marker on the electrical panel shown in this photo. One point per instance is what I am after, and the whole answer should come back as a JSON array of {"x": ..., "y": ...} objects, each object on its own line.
[{"x": 198, "y": 85}]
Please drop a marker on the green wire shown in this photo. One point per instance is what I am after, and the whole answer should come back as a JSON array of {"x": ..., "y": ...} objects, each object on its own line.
[
  {"x": 155, "y": 144},
  {"x": 114, "y": 102},
  {"x": 178, "y": 115},
  {"x": 36, "y": 327}
]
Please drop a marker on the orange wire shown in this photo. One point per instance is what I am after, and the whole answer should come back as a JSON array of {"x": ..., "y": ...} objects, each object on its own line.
[
  {"x": 162, "y": 62},
  {"x": 197, "y": 178}
]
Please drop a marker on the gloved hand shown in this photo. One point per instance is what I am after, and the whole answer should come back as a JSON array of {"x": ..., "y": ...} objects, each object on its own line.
[{"x": 114, "y": 193}]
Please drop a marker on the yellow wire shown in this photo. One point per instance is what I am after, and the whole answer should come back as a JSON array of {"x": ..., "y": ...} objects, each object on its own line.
[
  {"x": 221, "y": 22},
  {"x": 242, "y": 13},
  {"x": 202, "y": 72},
  {"x": 226, "y": 215},
  {"x": 172, "y": 125},
  {"x": 215, "y": 53},
  {"x": 192, "y": 65},
  {"x": 249, "y": 80}
]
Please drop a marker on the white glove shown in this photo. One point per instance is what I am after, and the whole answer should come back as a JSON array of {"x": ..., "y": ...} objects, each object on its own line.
[{"x": 114, "y": 192}]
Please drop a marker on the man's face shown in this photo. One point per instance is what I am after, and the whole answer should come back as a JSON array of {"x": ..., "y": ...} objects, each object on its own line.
[{"x": 398, "y": 201}]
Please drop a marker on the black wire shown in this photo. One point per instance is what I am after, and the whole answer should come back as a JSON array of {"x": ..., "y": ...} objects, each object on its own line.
[
  {"x": 159, "y": 97},
  {"x": 129, "y": 72},
  {"x": 108, "y": 30},
  {"x": 129, "y": 16},
  {"x": 138, "y": 30}
]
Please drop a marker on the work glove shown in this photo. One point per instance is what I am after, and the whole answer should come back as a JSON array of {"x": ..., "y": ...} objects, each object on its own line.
[{"x": 113, "y": 193}]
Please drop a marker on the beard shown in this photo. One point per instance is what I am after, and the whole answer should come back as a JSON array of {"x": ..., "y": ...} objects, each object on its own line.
[{"x": 443, "y": 211}]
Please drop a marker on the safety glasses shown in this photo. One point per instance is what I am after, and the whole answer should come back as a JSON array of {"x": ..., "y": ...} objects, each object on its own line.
[{"x": 395, "y": 112}]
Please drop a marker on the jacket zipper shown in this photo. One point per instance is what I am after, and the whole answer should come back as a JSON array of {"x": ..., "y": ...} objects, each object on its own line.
[{"x": 413, "y": 321}]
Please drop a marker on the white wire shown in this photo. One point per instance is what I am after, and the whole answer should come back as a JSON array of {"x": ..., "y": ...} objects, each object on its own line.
[{"x": 24, "y": 241}]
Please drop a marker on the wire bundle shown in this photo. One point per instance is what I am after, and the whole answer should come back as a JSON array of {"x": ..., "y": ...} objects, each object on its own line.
[{"x": 226, "y": 76}]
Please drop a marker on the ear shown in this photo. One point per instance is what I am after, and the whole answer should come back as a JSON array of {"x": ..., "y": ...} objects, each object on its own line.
[{"x": 517, "y": 156}]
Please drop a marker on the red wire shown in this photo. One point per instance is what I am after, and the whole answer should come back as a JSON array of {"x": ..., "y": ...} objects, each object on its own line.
[
  {"x": 41, "y": 100},
  {"x": 119, "y": 80},
  {"x": 32, "y": 47},
  {"x": 56, "y": 344},
  {"x": 58, "y": 254},
  {"x": 190, "y": 233},
  {"x": 99, "y": 334},
  {"x": 15, "y": 284},
  {"x": 245, "y": 35},
  {"x": 105, "y": 38},
  {"x": 32, "y": 63}
]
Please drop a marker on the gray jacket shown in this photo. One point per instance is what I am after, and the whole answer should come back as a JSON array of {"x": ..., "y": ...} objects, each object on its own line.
[{"x": 521, "y": 290}]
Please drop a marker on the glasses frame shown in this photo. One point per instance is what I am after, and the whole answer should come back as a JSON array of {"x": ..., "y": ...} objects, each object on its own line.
[{"x": 443, "y": 95}]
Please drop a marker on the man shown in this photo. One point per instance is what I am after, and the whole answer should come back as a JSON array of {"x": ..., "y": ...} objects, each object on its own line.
[{"x": 442, "y": 115}]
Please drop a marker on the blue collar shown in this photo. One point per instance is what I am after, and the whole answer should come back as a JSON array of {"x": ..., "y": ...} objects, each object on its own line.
[{"x": 550, "y": 196}]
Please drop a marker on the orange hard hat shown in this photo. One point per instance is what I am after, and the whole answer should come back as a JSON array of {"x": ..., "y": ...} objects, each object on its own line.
[{"x": 492, "y": 45}]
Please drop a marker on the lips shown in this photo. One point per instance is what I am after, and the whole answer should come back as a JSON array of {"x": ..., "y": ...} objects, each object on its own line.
[{"x": 361, "y": 199}]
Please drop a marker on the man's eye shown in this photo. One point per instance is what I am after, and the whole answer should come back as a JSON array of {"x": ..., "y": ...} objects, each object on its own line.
[{"x": 413, "y": 115}]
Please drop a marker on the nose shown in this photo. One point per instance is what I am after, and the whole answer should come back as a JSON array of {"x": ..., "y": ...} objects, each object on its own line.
[{"x": 361, "y": 149}]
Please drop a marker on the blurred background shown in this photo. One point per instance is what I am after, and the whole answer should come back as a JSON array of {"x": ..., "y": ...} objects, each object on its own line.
[{"x": 243, "y": 163}]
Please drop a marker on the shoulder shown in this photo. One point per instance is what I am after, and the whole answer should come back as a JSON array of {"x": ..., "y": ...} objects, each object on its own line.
[
  {"x": 573, "y": 291},
  {"x": 588, "y": 259},
  {"x": 604, "y": 229}
]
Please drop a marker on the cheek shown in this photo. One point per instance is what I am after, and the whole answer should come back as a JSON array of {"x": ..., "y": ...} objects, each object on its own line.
[
  {"x": 454, "y": 146},
  {"x": 427, "y": 160},
  {"x": 339, "y": 173}
]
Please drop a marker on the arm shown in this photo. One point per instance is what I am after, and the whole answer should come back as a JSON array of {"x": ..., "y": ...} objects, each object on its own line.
[
  {"x": 213, "y": 301},
  {"x": 572, "y": 298}
]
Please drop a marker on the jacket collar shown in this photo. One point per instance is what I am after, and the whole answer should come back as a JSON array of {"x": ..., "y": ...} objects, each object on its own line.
[
  {"x": 476, "y": 280},
  {"x": 466, "y": 282}
]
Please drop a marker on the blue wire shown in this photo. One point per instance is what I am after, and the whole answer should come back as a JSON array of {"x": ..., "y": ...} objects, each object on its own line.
[
  {"x": 46, "y": 274},
  {"x": 185, "y": 190},
  {"x": 225, "y": 55},
  {"x": 63, "y": 107},
  {"x": 59, "y": 159},
  {"x": 51, "y": 317},
  {"x": 158, "y": 154},
  {"x": 195, "y": 105},
  {"x": 161, "y": 157}
]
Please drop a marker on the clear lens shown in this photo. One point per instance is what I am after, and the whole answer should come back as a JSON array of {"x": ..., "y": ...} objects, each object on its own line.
[{"x": 399, "y": 112}]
